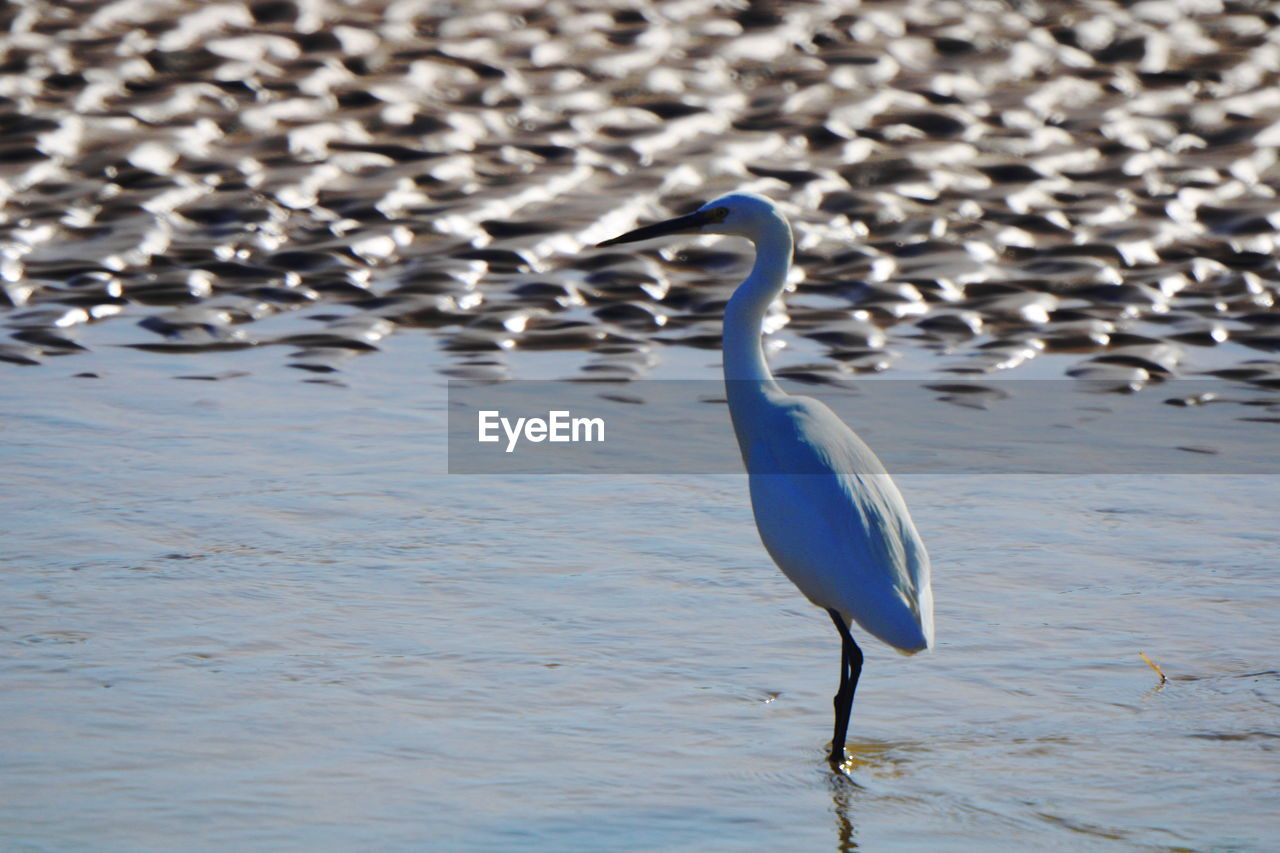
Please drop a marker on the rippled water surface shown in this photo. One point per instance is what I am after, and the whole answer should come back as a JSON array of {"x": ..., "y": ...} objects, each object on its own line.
[
  {"x": 258, "y": 613},
  {"x": 244, "y": 246}
]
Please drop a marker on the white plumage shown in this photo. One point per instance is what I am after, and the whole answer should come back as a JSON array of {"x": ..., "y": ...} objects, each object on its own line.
[
  {"x": 833, "y": 520},
  {"x": 828, "y": 512}
]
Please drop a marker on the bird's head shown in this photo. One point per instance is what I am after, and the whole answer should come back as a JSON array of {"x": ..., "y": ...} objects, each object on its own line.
[{"x": 741, "y": 214}]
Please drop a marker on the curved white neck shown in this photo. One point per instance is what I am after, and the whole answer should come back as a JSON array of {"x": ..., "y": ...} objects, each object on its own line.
[{"x": 744, "y": 315}]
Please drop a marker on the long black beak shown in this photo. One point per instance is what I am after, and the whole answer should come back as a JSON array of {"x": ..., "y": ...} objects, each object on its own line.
[{"x": 690, "y": 224}]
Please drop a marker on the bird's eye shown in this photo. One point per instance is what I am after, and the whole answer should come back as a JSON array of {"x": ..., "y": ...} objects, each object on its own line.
[{"x": 718, "y": 214}]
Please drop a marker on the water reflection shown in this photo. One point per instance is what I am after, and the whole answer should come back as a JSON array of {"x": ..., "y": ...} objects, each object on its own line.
[
  {"x": 843, "y": 791},
  {"x": 880, "y": 757}
]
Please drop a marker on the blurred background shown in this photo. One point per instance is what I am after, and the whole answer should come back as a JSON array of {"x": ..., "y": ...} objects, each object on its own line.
[{"x": 974, "y": 186}]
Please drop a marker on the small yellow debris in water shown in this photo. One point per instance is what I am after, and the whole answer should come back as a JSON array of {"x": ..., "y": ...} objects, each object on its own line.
[{"x": 1152, "y": 664}]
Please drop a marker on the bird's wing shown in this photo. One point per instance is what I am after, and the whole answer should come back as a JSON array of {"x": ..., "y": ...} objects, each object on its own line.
[{"x": 834, "y": 521}]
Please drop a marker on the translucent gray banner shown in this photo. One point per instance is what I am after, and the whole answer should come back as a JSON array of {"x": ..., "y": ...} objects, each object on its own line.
[{"x": 938, "y": 427}]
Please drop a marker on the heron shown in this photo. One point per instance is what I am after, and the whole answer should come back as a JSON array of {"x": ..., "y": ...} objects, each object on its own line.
[{"x": 826, "y": 509}]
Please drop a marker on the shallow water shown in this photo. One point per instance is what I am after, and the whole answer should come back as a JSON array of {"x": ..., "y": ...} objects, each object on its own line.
[
  {"x": 242, "y": 247},
  {"x": 256, "y": 613}
]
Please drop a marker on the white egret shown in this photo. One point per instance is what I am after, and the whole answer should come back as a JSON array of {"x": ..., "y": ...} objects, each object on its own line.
[{"x": 827, "y": 511}]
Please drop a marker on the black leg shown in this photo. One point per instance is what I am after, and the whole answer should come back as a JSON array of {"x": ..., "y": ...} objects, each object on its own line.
[
  {"x": 842, "y": 707},
  {"x": 850, "y": 669}
]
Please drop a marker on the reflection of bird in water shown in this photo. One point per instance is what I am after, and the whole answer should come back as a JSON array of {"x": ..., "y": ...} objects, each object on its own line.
[
  {"x": 828, "y": 512},
  {"x": 842, "y": 791}
]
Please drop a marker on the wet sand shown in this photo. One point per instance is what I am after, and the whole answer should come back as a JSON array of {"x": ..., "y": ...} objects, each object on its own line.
[{"x": 978, "y": 187}]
